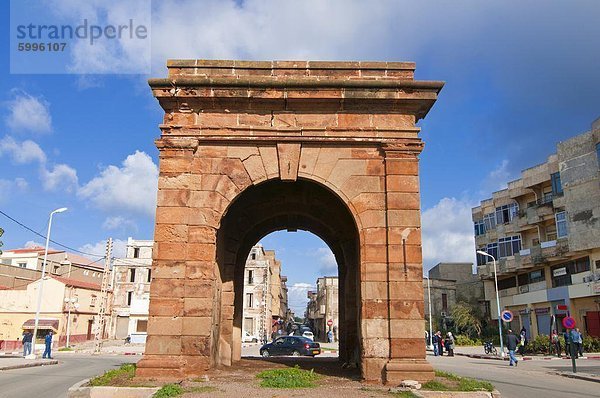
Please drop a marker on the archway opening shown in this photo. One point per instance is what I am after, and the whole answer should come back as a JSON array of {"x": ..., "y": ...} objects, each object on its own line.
[{"x": 272, "y": 206}]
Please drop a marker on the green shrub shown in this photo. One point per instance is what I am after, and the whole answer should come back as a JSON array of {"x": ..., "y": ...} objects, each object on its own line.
[
  {"x": 168, "y": 391},
  {"x": 287, "y": 378},
  {"x": 466, "y": 340},
  {"x": 464, "y": 383},
  {"x": 591, "y": 344},
  {"x": 126, "y": 371},
  {"x": 540, "y": 344}
]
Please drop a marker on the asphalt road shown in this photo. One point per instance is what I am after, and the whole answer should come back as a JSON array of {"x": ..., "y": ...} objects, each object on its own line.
[
  {"x": 53, "y": 381},
  {"x": 530, "y": 379}
]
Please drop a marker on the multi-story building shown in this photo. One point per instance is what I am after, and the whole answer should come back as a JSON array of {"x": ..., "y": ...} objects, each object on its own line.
[
  {"x": 322, "y": 311},
  {"x": 262, "y": 293},
  {"x": 131, "y": 286},
  {"x": 544, "y": 230},
  {"x": 450, "y": 283}
]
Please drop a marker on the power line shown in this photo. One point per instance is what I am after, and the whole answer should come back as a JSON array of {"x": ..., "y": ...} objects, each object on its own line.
[{"x": 44, "y": 237}]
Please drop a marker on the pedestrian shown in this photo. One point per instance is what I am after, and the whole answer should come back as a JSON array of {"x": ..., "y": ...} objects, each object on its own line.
[
  {"x": 511, "y": 344},
  {"x": 27, "y": 338},
  {"x": 436, "y": 344},
  {"x": 441, "y": 344},
  {"x": 577, "y": 341},
  {"x": 522, "y": 341},
  {"x": 555, "y": 342},
  {"x": 449, "y": 343},
  {"x": 567, "y": 342},
  {"x": 330, "y": 336},
  {"x": 48, "y": 350}
]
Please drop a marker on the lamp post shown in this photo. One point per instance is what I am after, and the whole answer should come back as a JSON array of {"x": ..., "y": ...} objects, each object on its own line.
[
  {"x": 39, "y": 301},
  {"x": 497, "y": 299},
  {"x": 72, "y": 303},
  {"x": 429, "y": 299}
]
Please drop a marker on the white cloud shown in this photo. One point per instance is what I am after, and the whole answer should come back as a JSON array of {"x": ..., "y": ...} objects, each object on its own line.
[
  {"x": 30, "y": 244},
  {"x": 448, "y": 233},
  {"x": 497, "y": 179},
  {"x": 99, "y": 248},
  {"x": 326, "y": 261},
  {"x": 10, "y": 188},
  {"x": 131, "y": 187},
  {"x": 22, "y": 152},
  {"x": 28, "y": 113},
  {"x": 297, "y": 297},
  {"x": 61, "y": 176},
  {"x": 118, "y": 222}
]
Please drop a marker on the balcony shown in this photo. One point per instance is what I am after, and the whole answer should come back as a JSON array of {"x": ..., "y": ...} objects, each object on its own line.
[{"x": 550, "y": 251}]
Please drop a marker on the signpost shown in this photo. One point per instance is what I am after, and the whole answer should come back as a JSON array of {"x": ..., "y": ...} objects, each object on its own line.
[
  {"x": 507, "y": 316},
  {"x": 330, "y": 322},
  {"x": 569, "y": 323}
]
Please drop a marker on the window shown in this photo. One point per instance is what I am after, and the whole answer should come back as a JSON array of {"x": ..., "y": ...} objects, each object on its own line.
[
  {"x": 489, "y": 221},
  {"x": 580, "y": 265},
  {"x": 444, "y": 302},
  {"x": 249, "y": 300},
  {"x": 22, "y": 265},
  {"x": 507, "y": 283},
  {"x": 481, "y": 259},
  {"x": 149, "y": 275},
  {"x": 253, "y": 256},
  {"x": 141, "y": 326},
  {"x": 129, "y": 297},
  {"x": 93, "y": 301},
  {"x": 537, "y": 276},
  {"x": 556, "y": 185},
  {"x": 506, "y": 213},
  {"x": 492, "y": 249},
  {"x": 479, "y": 228},
  {"x": 132, "y": 275},
  {"x": 250, "y": 277},
  {"x": 509, "y": 246},
  {"x": 561, "y": 224},
  {"x": 561, "y": 273},
  {"x": 136, "y": 252}
]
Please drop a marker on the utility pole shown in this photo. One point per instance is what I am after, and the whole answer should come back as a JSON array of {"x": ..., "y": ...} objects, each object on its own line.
[{"x": 103, "y": 299}]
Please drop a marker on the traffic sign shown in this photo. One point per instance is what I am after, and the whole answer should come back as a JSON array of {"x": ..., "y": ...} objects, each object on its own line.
[
  {"x": 561, "y": 307},
  {"x": 507, "y": 315},
  {"x": 568, "y": 322},
  {"x": 330, "y": 322}
]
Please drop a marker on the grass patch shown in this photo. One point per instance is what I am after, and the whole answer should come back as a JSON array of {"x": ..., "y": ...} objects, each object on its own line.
[
  {"x": 445, "y": 381},
  {"x": 202, "y": 389},
  {"x": 405, "y": 394},
  {"x": 115, "y": 376},
  {"x": 168, "y": 391},
  {"x": 288, "y": 378},
  {"x": 65, "y": 349}
]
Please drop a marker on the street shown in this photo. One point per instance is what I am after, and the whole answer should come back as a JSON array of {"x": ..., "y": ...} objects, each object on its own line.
[
  {"x": 53, "y": 381},
  {"x": 529, "y": 379}
]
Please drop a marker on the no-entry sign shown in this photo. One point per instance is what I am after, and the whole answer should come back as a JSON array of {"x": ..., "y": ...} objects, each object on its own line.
[
  {"x": 330, "y": 322},
  {"x": 568, "y": 322},
  {"x": 507, "y": 315}
]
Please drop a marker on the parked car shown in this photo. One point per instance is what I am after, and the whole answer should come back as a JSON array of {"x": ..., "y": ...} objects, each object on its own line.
[
  {"x": 248, "y": 338},
  {"x": 291, "y": 345},
  {"x": 309, "y": 335}
]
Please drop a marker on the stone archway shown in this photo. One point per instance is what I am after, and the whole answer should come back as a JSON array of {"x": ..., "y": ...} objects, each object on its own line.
[{"x": 252, "y": 147}]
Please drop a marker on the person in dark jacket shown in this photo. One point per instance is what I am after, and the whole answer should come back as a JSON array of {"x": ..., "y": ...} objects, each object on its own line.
[
  {"x": 512, "y": 342},
  {"x": 48, "y": 350},
  {"x": 27, "y": 338},
  {"x": 449, "y": 343}
]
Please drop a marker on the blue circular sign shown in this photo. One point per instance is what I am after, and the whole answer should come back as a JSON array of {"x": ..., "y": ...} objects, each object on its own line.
[{"x": 507, "y": 316}]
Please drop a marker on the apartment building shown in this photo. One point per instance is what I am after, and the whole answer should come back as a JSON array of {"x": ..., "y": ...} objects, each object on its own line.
[
  {"x": 131, "y": 286},
  {"x": 263, "y": 296},
  {"x": 322, "y": 310},
  {"x": 544, "y": 230}
]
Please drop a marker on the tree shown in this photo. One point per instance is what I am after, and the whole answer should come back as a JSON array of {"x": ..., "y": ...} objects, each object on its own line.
[{"x": 465, "y": 319}]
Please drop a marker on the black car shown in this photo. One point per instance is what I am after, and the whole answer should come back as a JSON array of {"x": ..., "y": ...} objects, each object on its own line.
[{"x": 291, "y": 345}]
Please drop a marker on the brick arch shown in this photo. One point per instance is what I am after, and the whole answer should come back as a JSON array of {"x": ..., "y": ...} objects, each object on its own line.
[
  {"x": 276, "y": 205},
  {"x": 233, "y": 127}
]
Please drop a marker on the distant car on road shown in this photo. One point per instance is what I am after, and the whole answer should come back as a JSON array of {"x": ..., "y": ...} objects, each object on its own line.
[
  {"x": 309, "y": 335},
  {"x": 291, "y": 345},
  {"x": 248, "y": 338}
]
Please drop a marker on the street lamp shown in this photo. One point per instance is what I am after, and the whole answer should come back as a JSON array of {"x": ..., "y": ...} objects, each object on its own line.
[
  {"x": 497, "y": 299},
  {"x": 72, "y": 303},
  {"x": 39, "y": 301},
  {"x": 429, "y": 299}
]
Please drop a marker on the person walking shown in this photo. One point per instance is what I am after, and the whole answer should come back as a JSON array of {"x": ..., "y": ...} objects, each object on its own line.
[
  {"x": 522, "y": 341},
  {"x": 449, "y": 343},
  {"x": 577, "y": 341},
  {"x": 511, "y": 344},
  {"x": 567, "y": 342},
  {"x": 27, "y": 338},
  {"x": 555, "y": 342},
  {"x": 48, "y": 350}
]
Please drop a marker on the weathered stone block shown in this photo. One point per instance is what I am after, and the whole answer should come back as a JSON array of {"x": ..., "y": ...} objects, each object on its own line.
[
  {"x": 164, "y": 325},
  {"x": 196, "y": 326}
]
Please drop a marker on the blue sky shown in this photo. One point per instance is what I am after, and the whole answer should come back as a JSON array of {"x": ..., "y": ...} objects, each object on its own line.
[{"x": 520, "y": 77}]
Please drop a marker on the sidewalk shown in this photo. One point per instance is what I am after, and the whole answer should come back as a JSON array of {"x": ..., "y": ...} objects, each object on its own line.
[
  {"x": 11, "y": 362},
  {"x": 477, "y": 352}
]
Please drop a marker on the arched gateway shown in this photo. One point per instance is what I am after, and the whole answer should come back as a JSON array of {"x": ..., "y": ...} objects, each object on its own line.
[{"x": 248, "y": 148}]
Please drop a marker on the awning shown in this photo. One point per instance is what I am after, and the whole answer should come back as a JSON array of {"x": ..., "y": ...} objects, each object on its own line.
[{"x": 42, "y": 324}]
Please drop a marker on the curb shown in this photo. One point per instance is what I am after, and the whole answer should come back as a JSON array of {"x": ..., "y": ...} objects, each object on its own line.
[
  {"x": 30, "y": 365},
  {"x": 579, "y": 376}
]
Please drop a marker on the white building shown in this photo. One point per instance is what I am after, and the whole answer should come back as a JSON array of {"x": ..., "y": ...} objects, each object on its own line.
[{"x": 131, "y": 287}]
